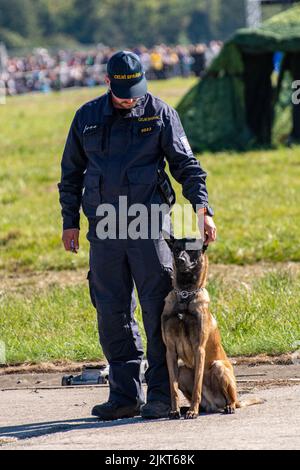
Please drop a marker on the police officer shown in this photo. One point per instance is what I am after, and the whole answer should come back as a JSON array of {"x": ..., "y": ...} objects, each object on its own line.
[{"x": 117, "y": 146}]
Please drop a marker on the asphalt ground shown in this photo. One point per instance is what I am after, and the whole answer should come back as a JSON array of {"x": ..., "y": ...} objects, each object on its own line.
[{"x": 37, "y": 413}]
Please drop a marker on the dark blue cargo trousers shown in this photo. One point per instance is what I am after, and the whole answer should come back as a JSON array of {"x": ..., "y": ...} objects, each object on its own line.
[{"x": 115, "y": 266}]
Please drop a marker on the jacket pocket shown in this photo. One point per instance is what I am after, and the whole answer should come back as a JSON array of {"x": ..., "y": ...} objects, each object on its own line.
[
  {"x": 92, "y": 139},
  {"x": 146, "y": 174},
  {"x": 142, "y": 183},
  {"x": 91, "y": 197}
]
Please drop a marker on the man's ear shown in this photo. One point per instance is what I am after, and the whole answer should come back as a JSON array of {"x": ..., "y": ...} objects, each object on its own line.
[{"x": 169, "y": 238}]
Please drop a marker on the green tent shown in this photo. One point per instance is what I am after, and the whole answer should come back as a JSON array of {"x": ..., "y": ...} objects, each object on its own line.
[{"x": 241, "y": 102}]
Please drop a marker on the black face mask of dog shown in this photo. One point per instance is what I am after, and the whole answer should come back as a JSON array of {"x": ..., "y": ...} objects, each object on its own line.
[{"x": 187, "y": 260}]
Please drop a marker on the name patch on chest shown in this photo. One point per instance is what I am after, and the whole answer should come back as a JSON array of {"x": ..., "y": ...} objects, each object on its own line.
[
  {"x": 91, "y": 128},
  {"x": 149, "y": 118}
]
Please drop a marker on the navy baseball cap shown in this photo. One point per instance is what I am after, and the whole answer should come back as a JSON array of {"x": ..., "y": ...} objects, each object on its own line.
[{"x": 126, "y": 74}]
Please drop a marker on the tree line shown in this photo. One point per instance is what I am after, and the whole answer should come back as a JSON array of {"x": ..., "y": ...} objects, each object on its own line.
[{"x": 118, "y": 23}]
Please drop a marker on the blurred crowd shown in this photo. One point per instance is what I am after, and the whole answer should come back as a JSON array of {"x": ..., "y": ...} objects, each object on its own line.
[{"x": 43, "y": 71}]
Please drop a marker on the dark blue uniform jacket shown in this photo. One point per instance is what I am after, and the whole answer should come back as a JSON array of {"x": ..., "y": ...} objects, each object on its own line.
[{"x": 108, "y": 154}]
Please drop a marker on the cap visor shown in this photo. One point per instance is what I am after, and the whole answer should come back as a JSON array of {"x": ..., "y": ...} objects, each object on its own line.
[{"x": 135, "y": 91}]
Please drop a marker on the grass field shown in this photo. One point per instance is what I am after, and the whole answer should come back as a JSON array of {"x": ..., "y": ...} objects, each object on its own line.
[
  {"x": 60, "y": 322},
  {"x": 256, "y": 197}
]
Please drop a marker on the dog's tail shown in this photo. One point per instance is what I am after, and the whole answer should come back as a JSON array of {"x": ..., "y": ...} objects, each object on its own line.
[{"x": 250, "y": 402}]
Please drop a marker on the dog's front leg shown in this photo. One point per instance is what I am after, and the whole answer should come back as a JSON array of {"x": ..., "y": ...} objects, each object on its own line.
[
  {"x": 193, "y": 412},
  {"x": 172, "y": 362}
]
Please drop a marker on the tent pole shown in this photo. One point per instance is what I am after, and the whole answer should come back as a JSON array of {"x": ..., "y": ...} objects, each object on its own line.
[{"x": 253, "y": 13}]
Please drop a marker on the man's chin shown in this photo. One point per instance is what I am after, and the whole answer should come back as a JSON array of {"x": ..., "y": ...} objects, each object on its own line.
[{"x": 128, "y": 106}]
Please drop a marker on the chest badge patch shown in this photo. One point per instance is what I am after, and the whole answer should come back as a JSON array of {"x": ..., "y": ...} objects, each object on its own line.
[{"x": 144, "y": 130}]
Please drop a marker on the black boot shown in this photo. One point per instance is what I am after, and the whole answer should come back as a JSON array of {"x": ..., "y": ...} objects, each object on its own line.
[
  {"x": 111, "y": 410},
  {"x": 155, "y": 410}
]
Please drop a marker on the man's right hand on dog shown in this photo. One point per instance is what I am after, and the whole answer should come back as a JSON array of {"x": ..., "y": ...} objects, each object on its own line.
[
  {"x": 70, "y": 239},
  {"x": 207, "y": 227},
  {"x": 210, "y": 230}
]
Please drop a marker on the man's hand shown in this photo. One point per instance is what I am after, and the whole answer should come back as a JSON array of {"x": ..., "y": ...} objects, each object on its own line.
[
  {"x": 70, "y": 239},
  {"x": 210, "y": 230},
  {"x": 207, "y": 227}
]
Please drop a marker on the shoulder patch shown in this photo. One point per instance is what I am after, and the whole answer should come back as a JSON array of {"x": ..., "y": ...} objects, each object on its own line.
[{"x": 186, "y": 145}]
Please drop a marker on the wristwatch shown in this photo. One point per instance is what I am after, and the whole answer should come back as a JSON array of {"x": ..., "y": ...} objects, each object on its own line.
[{"x": 207, "y": 211}]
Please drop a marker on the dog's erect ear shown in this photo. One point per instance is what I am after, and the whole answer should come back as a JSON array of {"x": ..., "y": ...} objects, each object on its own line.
[{"x": 169, "y": 238}]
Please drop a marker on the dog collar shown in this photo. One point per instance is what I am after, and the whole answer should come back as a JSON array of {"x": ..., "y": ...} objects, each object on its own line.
[{"x": 185, "y": 294}]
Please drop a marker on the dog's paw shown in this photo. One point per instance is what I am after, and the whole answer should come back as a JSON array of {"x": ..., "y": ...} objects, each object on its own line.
[
  {"x": 174, "y": 415},
  {"x": 229, "y": 410},
  {"x": 190, "y": 414}
]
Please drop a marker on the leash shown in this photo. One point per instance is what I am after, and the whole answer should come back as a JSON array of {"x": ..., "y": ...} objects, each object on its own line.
[{"x": 204, "y": 248}]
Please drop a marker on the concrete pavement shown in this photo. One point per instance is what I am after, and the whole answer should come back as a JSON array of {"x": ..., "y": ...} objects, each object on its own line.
[{"x": 59, "y": 418}]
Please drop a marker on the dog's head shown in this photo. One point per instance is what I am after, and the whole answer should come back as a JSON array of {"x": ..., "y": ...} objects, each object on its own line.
[{"x": 189, "y": 261}]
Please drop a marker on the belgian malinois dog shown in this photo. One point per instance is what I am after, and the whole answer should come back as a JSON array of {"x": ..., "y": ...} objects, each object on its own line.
[{"x": 197, "y": 362}]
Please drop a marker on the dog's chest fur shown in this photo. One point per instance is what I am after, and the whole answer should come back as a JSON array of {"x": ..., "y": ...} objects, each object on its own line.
[
  {"x": 183, "y": 342},
  {"x": 183, "y": 328}
]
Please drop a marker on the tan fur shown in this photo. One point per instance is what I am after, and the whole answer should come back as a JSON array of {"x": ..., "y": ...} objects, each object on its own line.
[{"x": 203, "y": 373}]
